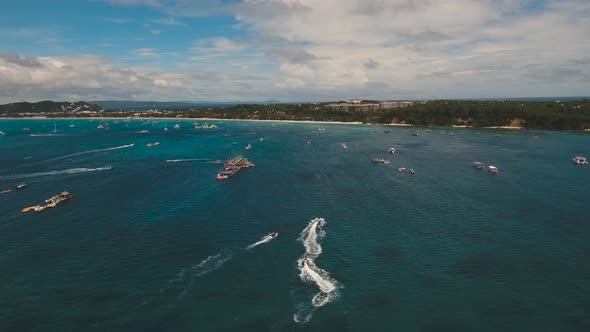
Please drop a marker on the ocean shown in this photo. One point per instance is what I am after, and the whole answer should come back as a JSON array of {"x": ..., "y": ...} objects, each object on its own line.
[{"x": 153, "y": 245}]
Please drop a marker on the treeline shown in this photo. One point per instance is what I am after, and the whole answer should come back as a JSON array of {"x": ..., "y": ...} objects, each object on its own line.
[
  {"x": 46, "y": 107},
  {"x": 537, "y": 115},
  {"x": 571, "y": 115}
]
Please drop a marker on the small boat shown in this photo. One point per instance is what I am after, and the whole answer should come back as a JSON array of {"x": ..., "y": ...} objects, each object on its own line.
[
  {"x": 580, "y": 160},
  {"x": 493, "y": 169},
  {"x": 28, "y": 158},
  {"x": 380, "y": 161},
  {"x": 143, "y": 131},
  {"x": 2, "y": 133},
  {"x": 477, "y": 165},
  {"x": 206, "y": 126},
  {"x": 427, "y": 130},
  {"x": 5, "y": 191},
  {"x": 153, "y": 144},
  {"x": 412, "y": 171},
  {"x": 401, "y": 169},
  {"x": 262, "y": 139},
  {"x": 415, "y": 133},
  {"x": 248, "y": 147},
  {"x": 176, "y": 126},
  {"x": 72, "y": 125},
  {"x": 213, "y": 126},
  {"x": 100, "y": 127},
  {"x": 321, "y": 129},
  {"x": 344, "y": 146},
  {"x": 20, "y": 186},
  {"x": 392, "y": 150},
  {"x": 105, "y": 168},
  {"x": 273, "y": 234}
]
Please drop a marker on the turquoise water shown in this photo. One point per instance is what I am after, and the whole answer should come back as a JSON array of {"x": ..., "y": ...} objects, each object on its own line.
[{"x": 157, "y": 246}]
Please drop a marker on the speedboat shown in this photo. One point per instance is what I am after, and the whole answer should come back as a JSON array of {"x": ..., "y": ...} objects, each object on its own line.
[
  {"x": 21, "y": 186},
  {"x": 273, "y": 234},
  {"x": 344, "y": 146},
  {"x": 401, "y": 169},
  {"x": 493, "y": 169},
  {"x": 392, "y": 150},
  {"x": 248, "y": 147},
  {"x": 580, "y": 160},
  {"x": 477, "y": 165},
  {"x": 105, "y": 168},
  {"x": 380, "y": 161},
  {"x": 153, "y": 144}
]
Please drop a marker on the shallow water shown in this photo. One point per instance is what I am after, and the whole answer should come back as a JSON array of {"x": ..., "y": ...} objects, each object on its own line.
[{"x": 152, "y": 245}]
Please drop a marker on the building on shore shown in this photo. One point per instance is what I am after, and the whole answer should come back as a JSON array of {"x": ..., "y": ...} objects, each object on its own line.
[{"x": 357, "y": 104}]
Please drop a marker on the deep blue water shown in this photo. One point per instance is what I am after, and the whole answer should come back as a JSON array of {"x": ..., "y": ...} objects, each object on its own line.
[{"x": 158, "y": 246}]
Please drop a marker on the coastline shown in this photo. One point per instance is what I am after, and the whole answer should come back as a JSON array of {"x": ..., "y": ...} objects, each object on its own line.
[{"x": 191, "y": 119}]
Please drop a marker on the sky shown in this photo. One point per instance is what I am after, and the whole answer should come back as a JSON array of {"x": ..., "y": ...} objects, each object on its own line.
[{"x": 292, "y": 50}]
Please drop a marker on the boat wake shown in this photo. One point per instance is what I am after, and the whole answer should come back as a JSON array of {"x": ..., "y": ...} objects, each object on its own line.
[
  {"x": 263, "y": 240},
  {"x": 62, "y": 172},
  {"x": 186, "y": 277},
  {"x": 187, "y": 160},
  {"x": 310, "y": 273},
  {"x": 92, "y": 151},
  {"x": 46, "y": 135}
]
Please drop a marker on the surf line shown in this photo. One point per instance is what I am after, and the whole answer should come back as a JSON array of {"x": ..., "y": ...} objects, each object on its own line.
[{"x": 310, "y": 273}]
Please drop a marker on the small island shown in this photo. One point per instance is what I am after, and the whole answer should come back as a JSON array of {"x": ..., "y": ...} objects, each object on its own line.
[{"x": 545, "y": 115}]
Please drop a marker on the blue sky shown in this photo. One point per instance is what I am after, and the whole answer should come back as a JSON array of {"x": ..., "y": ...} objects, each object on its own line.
[{"x": 292, "y": 50}]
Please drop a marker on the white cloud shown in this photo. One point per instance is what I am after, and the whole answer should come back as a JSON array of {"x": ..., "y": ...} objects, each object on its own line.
[
  {"x": 169, "y": 21},
  {"x": 155, "y": 32}
]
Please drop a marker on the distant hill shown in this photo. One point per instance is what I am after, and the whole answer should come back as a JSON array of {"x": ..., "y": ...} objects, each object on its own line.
[
  {"x": 134, "y": 105},
  {"x": 48, "y": 107}
]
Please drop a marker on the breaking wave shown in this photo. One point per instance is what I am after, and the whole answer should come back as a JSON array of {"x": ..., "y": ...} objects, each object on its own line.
[{"x": 310, "y": 273}]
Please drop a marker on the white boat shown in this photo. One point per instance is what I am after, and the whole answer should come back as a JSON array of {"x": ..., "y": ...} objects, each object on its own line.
[
  {"x": 580, "y": 160},
  {"x": 176, "y": 126},
  {"x": 477, "y": 165},
  {"x": 392, "y": 150},
  {"x": 105, "y": 168},
  {"x": 493, "y": 169},
  {"x": 321, "y": 129},
  {"x": 2, "y": 133},
  {"x": 153, "y": 144},
  {"x": 72, "y": 126},
  {"x": 380, "y": 161},
  {"x": 100, "y": 127},
  {"x": 248, "y": 147},
  {"x": 344, "y": 146},
  {"x": 143, "y": 131}
]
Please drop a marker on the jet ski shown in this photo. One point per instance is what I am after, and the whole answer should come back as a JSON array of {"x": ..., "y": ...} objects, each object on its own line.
[{"x": 273, "y": 234}]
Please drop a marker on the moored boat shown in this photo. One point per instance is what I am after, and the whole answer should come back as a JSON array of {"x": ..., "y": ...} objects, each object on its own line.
[
  {"x": 248, "y": 147},
  {"x": 143, "y": 131},
  {"x": 392, "y": 150},
  {"x": 493, "y": 169},
  {"x": 344, "y": 146},
  {"x": 176, "y": 126},
  {"x": 412, "y": 171},
  {"x": 401, "y": 169},
  {"x": 477, "y": 165},
  {"x": 21, "y": 186}
]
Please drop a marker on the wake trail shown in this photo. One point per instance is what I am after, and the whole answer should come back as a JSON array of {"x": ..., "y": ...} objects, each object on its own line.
[
  {"x": 187, "y": 160},
  {"x": 61, "y": 172},
  {"x": 92, "y": 151},
  {"x": 263, "y": 240},
  {"x": 310, "y": 273}
]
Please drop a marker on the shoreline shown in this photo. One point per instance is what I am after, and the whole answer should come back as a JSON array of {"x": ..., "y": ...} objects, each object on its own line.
[{"x": 282, "y": 121}]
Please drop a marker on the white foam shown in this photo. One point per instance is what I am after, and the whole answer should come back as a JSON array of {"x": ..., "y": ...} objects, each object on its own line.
[
  {"x": 93, "y": 151},
  {"x": 185, "y": 160},
  {"x": 61, "y": 172},
  {"x": 263, "y": 240},
  {"x": 309, "y": 272}
]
